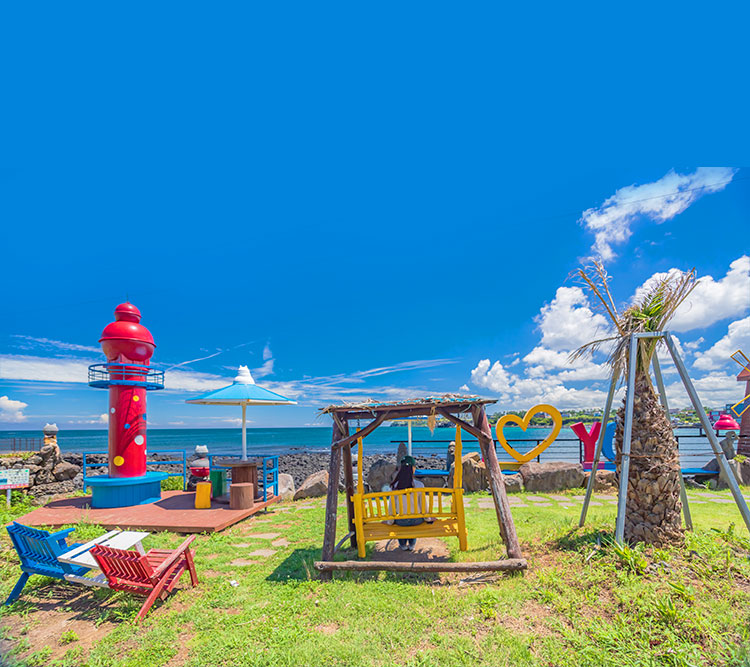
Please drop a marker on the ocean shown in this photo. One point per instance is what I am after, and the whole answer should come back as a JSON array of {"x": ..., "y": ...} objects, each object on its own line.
[{"x": 384, "y": 440}]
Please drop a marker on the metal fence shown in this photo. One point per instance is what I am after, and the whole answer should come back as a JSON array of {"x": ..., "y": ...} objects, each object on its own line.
[
  {"x": 21, "y": 444},
  {"x": 180, "y": 459},
  {"x": 694, "y": 449}
]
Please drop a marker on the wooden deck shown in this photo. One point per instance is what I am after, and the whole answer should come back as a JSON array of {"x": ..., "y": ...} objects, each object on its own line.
[{"x": 175, "y": 512}]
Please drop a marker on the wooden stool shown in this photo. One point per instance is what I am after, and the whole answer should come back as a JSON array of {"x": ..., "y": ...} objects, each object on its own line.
[
  {"x": 241, "y": 495},
  {"x": 203, "y": 495}
]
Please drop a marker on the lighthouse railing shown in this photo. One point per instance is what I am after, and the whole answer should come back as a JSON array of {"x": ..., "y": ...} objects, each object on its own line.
[{"x": 102, "y": 376}]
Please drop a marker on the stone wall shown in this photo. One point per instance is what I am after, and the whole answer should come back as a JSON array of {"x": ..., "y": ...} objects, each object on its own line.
[{"x": 49, "y": 473}]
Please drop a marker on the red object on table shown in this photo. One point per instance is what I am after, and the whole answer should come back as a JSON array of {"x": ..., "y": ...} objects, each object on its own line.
[{"x": 153, "y": 575}]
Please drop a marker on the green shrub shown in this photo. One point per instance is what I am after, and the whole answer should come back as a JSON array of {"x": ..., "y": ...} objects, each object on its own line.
[
  {"x": 68, "y": 637},
  {"x": 171, "y": 484}
]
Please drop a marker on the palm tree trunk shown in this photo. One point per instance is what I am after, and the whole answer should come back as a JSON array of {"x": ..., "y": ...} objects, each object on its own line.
[{"x": 653, "y": 511}]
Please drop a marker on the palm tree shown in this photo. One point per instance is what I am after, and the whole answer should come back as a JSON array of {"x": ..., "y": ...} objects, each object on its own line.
[{"x": 653, "y": 506}]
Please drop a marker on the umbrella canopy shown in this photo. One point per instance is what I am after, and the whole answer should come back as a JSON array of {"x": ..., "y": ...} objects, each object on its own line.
[{"x": 243, "y": 391}]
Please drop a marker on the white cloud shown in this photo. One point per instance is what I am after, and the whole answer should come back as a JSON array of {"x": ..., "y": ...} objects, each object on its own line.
[
  {"x": 99, "y": 419},
  {"x": 464, "y": 387},
  {"x": 267, "y": 354},
  {"x": 192, "y": 381},
  {"x": 265, "y": 370},
  {"x": 515, "y": 390},
  {"x": 694, "y": 344},
  {"x": 567, "y": 322},
  {"x": 736, "y": 338},
  {"x": 714, "y": 390},
  {"x": 12, "y": 411},
  {"x": 660, "y": 201},
  {"x": 43, "y": 369},
  {"x": 58, "y": 344},
  {"x": 712, "y": 300}
]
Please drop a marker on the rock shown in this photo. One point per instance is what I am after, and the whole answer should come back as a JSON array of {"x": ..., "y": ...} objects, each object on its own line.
[
  {"x": 381, "y": 473},
  {"x": 50, "y": 453},
  {"x": 43, "y": 477},
  {"x": 64, "y": 470},
  {"x": 513, "y": 483},
  {"x": 474, "y": 476},
  {"x": 712, "y": 465},
  {"x": 552, "y": 476},
  {"x": 437, "y": 482},
  {"x": 35, "y": 460},
  {"x": 315, "y": 485},
  {"x": 286, "y": 486},
  {"x": 736, "y": 470},
  {"x": 744, "y": 463},
  {"x": 55, "y": 488},
  {"x": 606, "y": 480}
]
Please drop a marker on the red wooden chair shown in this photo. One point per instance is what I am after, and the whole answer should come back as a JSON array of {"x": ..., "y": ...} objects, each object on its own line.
[{"x": 153, "y": 575}]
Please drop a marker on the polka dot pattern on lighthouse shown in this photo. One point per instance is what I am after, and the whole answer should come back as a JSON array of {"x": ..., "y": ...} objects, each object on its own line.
[
  {"x": 127, "y": 425},
  {"x": 136, "y": 398},
  {"x": 112, "y": 410},
  {"x": 118, "y": 461},
  {"x": 139, "y": 440}
]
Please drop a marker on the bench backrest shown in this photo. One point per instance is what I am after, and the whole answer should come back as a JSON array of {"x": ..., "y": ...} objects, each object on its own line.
[
  {"x": 37, "y": 550},
  {"x": 439, "y": 503},
  {"x": 123, "y": 567}
]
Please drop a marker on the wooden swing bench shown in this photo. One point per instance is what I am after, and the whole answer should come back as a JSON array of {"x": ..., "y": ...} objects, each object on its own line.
[
  {"x": 444, "y": 506},
  {"x": 372, "y": 515}
]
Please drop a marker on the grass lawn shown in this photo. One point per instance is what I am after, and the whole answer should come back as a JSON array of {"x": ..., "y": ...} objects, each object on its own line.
[{"x": 582, "y": 602}]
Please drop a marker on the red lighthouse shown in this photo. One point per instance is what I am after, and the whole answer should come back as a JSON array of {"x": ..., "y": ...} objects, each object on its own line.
[{"x": 128, "y": 346}]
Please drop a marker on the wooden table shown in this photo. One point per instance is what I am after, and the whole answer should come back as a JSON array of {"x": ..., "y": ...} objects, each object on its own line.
[
  {"x": 117, "y": 539},
  {"x": 242, "y": 472}
]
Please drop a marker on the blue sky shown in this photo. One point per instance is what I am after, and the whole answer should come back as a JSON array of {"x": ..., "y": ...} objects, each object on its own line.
[{"x": 349, "y": 204}]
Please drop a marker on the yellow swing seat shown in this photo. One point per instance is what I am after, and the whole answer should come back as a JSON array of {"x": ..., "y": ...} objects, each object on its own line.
[{"x": 445, "y": 506}]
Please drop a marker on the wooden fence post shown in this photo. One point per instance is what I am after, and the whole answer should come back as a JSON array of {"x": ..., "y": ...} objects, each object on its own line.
[
  {"x": 497, "y": 485},
  {"x": 332, "y": 500}
]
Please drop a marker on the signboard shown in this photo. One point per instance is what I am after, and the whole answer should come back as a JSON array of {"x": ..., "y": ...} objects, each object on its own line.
[{"x": 14, "y": 479}]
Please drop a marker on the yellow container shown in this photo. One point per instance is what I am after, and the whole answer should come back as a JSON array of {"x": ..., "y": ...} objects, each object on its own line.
[{"x": 203, "y": 495}]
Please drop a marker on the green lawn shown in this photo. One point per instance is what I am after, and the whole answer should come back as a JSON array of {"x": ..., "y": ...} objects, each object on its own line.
[{"x": 580, "y": 603}]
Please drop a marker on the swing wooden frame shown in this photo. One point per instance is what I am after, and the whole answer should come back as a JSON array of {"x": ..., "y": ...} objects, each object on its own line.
[{"x": 366, "y": 512}]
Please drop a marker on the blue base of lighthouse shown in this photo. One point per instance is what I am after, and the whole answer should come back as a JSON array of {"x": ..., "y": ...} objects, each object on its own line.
[{"x": 109, "y": 491}]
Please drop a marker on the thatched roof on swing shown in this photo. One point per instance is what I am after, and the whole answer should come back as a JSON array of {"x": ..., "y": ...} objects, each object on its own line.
[{"x": 411, "y": 407}]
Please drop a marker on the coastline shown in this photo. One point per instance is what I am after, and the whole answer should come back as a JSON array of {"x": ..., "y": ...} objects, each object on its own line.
[{"x": 299, "y": 465}]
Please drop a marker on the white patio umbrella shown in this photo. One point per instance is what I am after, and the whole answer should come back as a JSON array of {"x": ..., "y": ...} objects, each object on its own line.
[{"x": 243, "y": 391}]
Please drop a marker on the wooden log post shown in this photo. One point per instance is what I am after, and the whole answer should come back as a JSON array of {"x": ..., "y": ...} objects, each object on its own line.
[
  {"x": 241, "y": 495},
  {"x": 510, "y": 565},
  {"x": 349, "y": 483},
  {"x": 332, "y": 500},
  {"x": 497, "y": 485}
]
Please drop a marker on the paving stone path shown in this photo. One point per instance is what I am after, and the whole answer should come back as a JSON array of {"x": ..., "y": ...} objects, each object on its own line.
[{"x": 276, "y": 540}]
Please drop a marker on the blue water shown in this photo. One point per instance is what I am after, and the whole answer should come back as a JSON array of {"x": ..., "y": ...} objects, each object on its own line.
[{"x": 384, "y": 440}]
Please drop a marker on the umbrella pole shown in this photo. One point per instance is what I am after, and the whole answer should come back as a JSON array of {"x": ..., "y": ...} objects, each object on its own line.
[{"x": 244, "y": 433}]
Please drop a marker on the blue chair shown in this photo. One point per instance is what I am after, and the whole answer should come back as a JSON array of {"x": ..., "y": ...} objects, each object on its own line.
[{"x": 38, "y": 551}]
